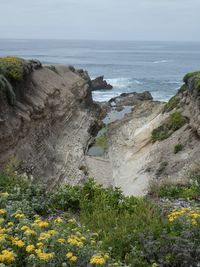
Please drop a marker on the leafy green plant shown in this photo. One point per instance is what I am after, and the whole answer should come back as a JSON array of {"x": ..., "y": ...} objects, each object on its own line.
[{"x": 178, "y": 148}]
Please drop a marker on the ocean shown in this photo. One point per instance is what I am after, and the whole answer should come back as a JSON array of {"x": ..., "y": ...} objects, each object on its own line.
[{"x": 130, "y": 66}]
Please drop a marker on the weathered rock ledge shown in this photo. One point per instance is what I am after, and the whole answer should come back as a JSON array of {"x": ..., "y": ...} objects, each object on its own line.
[{"x": 48, "y": 127}]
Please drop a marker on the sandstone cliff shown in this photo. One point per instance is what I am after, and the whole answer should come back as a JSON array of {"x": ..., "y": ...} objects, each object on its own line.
[
  {"x": 144, "y": 145},
  {"x": 47, "y": 119}
]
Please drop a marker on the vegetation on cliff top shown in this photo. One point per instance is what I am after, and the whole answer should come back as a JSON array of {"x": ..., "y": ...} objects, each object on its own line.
[
  {"x": 12, "y": 68},
  {"x": 171, "y": 104},
  {"x": 191, "y": 75},
  {"x": 91, "y": 226},
  {"x": 175, "y": 121}
]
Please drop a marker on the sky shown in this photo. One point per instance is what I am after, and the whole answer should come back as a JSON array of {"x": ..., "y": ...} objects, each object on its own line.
[{"x": 171, "y": 20}]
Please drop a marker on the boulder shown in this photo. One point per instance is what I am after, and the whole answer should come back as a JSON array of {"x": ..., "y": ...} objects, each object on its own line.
[{"x": 100, "y": 84}]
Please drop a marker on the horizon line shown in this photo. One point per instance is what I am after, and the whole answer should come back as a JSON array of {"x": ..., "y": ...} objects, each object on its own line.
[{"x": 99, "y": 40}]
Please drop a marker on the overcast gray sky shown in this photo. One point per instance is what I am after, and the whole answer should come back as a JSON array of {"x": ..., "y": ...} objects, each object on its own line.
[{"x": 101, "y": 19}]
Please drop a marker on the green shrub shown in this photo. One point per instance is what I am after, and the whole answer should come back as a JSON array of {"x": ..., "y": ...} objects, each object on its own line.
[
  {"x": 171, "y": 104},
  {"x": 12, "y": 68},
  {"x": 178, "y": 148},
  {"x": 175, "y": 121},
  {"x": 197, "y": 84},
  {"x": 132, "y": 230},
  {"x": 183, "y": 88},
  {"x": 190, "y": 75}
]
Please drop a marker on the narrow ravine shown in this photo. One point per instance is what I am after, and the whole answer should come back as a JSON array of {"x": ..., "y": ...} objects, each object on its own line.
[{"x": 98, "y": 160}]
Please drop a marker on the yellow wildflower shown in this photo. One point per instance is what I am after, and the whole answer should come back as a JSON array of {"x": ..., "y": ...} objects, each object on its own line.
[
  {"x": 24, "y": 228},
  {"x": 97, "y": 260},
  {"x": 61, "y": 240},
  {"x": 7, "y": 256},
  {"x": 40, "y": 223},
  {"x": 2, "y": 237},
  {"x": 58, "y": 220},
  {"x": 2, "y": 230},
  {"x": 43, "y": 255},
  {"x": 19, "y": 216},
  {"x": 30, "y": 232},
  {"x": 18, "y": 242},
  {"x": 10, "y": 223},
  {"x": 75, "y": 241},
  {"x": 40, "y": 245},
  {"x": 73, "y": 259},
  {"x": 30, "y": 248},
  {"x": 69, "y": 255},
  {"x": 44, "y": 236},
  {"x": 2, "y": 211},
  {"x": 52, "y": 232}
]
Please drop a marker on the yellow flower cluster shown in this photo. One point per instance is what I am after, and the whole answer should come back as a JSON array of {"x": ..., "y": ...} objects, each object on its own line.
[
  {"x": 17, "y": 242},
  {"x": 30, "y": 248},
  {"x": 74, "y": 240},
  {"x": 43, "y": 255},
  {"x": 192, "y": 214},
  {"x": 28, "y": 231},
  {"x": 71, "y": 257},
  {"x": 19, "y": 216},
  {"x": 2, "y": 211},
  {"x": 98, "y": 260},
  {"x": 58, "y": 220},
  {"x": 41, "y": 241},
  {"x": 40, "y": 223},
  {"x": 7, "y": 256}
]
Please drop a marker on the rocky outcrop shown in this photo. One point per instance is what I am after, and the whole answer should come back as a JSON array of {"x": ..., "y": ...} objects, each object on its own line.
[
  {"x": 129, "y": 99},
  {"x": 49, "y": 126},
  {"x": 99, "y": 84},
  {"x": 137, "y": 159}
]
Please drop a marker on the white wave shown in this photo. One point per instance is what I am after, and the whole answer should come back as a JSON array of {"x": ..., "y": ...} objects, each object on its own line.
[
  {"x": 102, "y": 96},
  {"x": 160, "y": 61},
  {"x": 122, "y": 82}
]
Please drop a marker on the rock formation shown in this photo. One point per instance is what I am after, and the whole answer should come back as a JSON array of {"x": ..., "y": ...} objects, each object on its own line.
[
  {"x": 137, "y": 158},
  {"x": 48, "y": 120},
  {"x": 48, "y": 127},
  {"x": 99, "y": 83}
]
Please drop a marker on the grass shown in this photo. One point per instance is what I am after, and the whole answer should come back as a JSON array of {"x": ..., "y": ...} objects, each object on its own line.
[
  {"x": 175, "y": 121},
  {"x": 178, "y": 148},
  {"x": 128, "y": 229},
  {"x": 171, "y": 104},
  {"x": 190, "y": 189},
  {"x": 191, "y": 75}
]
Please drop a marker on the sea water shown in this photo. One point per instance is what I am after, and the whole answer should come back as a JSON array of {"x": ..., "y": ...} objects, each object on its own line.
[{"x": 130, "y": 66}]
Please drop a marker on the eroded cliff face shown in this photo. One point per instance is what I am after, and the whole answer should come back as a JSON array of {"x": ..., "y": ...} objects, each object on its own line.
[
  {"x": 137, "y": 160},
  {"x": 47, "y": 129}
]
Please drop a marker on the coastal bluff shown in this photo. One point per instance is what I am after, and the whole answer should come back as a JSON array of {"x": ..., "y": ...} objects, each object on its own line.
[
  {"x": 47, "y": 119},
  {"x": 49, "y": 122}
]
